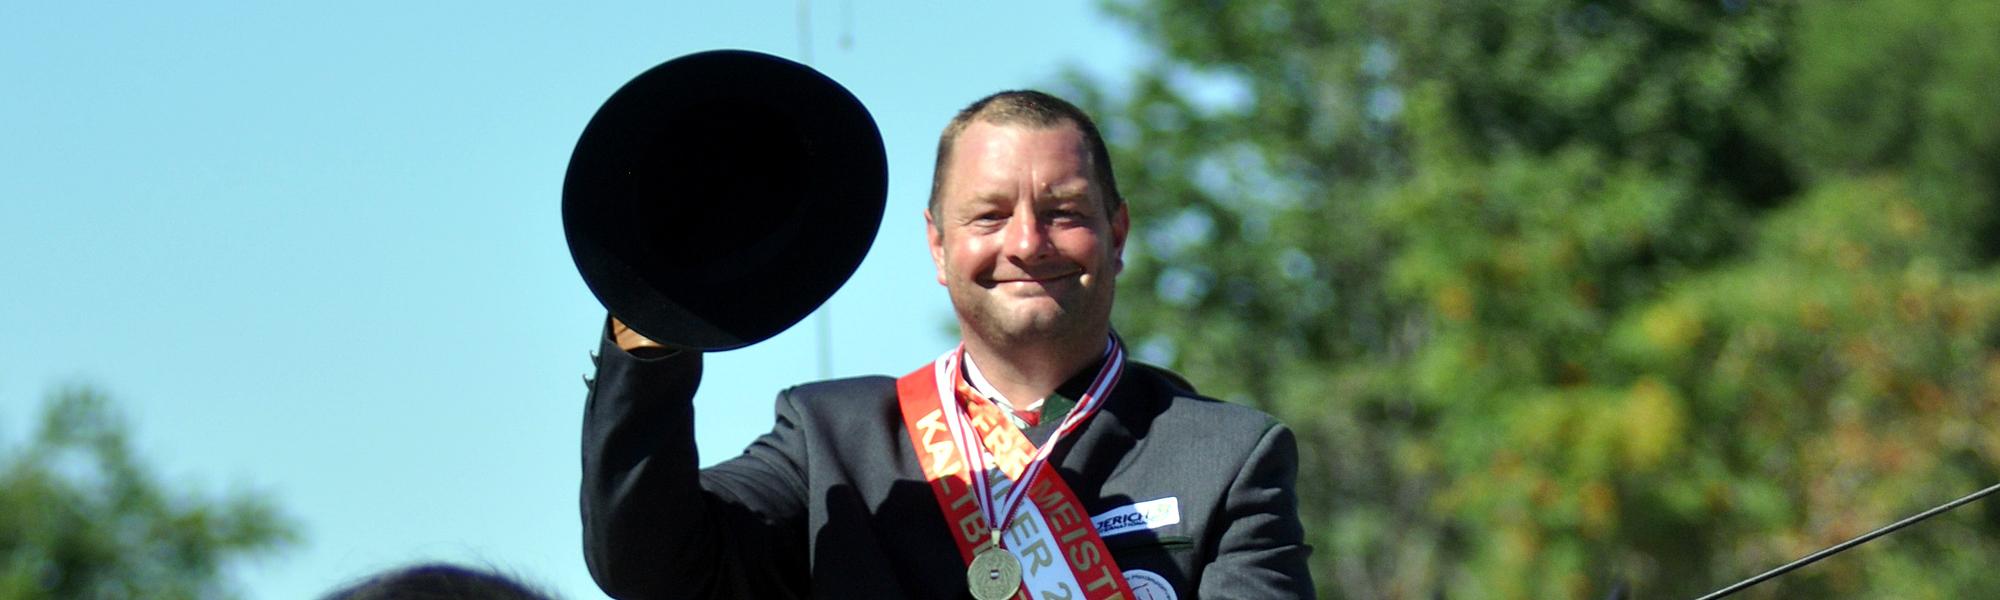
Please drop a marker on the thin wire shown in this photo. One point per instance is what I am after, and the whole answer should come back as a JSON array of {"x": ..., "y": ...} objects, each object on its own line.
[
  {"x": 825, "y": 321},
  {"x": 805, "y": 32},
  {"x": 1885, "y": 530},
  {"x": 822, "y": 318},
  {"x": 847, "y": 25}
]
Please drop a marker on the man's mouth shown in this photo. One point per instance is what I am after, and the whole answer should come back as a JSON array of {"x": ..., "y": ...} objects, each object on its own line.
[{"x": 1038, "y": 278}]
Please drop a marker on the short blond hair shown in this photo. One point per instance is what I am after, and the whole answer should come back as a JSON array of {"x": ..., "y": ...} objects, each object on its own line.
[{"x": 1034, "y": 109}]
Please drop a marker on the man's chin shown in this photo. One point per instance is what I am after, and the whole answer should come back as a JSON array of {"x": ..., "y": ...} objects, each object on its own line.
[
  {"x": 1022, "y": 325},
  {"x": 1031, "y": 321},
  {"x": 1048, "y": 327}
]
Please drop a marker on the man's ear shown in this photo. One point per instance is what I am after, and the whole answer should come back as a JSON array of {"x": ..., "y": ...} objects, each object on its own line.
[
  {"x": 1121, "y": 224},
  {"x": 936, "y": 239}
]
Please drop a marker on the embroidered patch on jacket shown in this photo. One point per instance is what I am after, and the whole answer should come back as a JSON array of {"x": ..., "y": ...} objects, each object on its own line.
[
  {"x": 1147, "y": 585},
  {"x": 1148, "y": 515}
]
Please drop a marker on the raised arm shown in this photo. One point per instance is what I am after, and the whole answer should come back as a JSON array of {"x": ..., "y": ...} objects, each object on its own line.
[{"x": 656, "y": 526}]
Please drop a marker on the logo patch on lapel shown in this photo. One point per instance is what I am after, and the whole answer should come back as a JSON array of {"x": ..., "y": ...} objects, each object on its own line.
[
  {"x": 1147, "y": 585},
  {"x": 1144, "y": 516}
]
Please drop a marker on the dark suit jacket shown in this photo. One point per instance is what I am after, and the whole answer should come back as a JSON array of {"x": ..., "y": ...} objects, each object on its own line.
[{"x": 833, "y": 504}]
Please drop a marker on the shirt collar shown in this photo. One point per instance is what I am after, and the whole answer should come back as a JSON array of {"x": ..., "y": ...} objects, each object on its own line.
[{"x": 1072, "y": 388}]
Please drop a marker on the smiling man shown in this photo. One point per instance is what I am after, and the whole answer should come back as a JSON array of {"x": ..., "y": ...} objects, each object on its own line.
[
  {"x": 1032, "y": 461},
  {"x": 1026, "y": 245}
]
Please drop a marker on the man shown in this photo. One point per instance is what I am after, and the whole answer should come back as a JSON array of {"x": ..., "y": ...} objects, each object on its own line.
[{"x": 1035, "y": 458}]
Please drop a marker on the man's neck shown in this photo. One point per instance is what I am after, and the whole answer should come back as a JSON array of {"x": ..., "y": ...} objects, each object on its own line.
[{"x": 1029, "y": 373}]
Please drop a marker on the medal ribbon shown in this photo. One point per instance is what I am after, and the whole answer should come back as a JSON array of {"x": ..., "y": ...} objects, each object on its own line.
[
  {"x": 953, "y": 443},
  {"x": 1001, "y": 514}
]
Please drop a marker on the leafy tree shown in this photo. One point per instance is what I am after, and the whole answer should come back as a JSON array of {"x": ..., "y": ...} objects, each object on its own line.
[
  {"x": 80, "y": 517},
  {"x": 1564, "y": 294}
]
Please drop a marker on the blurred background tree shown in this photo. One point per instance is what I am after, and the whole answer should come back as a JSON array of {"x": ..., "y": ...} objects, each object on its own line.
[
  {"x": 1562, "y": 295},
  {"x": 80, "y": 517}
]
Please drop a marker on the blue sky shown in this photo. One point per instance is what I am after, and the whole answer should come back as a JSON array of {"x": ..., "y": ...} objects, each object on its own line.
[{"x": 314, "y": 249}]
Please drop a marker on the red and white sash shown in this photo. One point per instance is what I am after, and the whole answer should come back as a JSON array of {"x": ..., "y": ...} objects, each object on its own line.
[{"x": 1049, "y": 531}]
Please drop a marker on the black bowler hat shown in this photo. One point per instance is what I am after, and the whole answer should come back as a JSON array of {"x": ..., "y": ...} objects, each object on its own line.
[{"x": 720, "y": 197}]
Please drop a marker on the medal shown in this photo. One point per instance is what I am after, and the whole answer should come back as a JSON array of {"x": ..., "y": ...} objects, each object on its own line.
[{"x": 994, "y": 573}]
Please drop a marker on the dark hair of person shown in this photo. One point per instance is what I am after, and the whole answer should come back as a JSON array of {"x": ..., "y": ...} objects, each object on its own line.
[
  {"x": 437, "y": 581},
  {"x": 1034, "y": 109}
]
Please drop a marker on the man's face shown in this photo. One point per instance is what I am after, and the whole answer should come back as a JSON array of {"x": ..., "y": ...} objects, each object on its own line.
[{"x": 1021, "y": 237}]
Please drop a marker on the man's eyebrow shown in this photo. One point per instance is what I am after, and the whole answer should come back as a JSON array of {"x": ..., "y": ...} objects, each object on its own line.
[
  {"x": 993, "y": 197},
  {"x": 1069, "y": 191},
  {"x": 979, "y": 203}
]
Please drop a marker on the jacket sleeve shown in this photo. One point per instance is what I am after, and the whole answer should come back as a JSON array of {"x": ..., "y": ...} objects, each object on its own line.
[
  {"x": 656, "y": 526},
  {"x": 1262, "y": 552}
]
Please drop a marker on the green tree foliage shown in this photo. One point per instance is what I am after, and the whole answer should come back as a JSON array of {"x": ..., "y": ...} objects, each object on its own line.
[
  {"x": 1563, "y": 294},
  {"x": 80, "y": 517}
]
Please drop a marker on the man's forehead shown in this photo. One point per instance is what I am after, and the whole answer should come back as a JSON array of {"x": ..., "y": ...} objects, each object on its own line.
[
  {"x": 1024, "y": 146},
  {"x": 982, "y": 133}
]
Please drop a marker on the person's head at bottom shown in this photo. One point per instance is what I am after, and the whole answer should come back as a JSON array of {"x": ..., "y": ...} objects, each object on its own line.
[{"x": 436, "y": 581}]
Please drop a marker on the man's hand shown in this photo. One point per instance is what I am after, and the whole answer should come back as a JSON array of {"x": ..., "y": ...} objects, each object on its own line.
[{"x": 630, "y": 341}]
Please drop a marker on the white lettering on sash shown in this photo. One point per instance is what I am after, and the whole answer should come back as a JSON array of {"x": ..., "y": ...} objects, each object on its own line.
[
  {"x": 944, "y": 453},
  {"x": 1030, "y": 540}
]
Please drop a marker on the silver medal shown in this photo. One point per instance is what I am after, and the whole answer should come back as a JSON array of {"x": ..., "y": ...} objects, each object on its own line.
[{"x": 994, "y": 574}]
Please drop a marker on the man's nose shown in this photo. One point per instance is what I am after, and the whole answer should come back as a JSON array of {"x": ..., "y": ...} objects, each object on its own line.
[{"x": 1027, "y": 236}]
